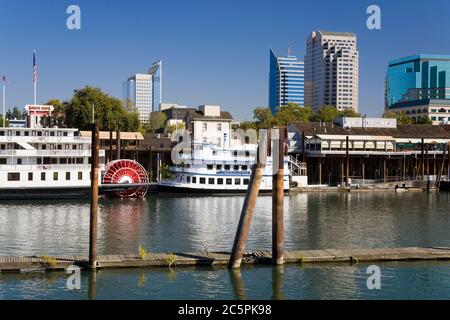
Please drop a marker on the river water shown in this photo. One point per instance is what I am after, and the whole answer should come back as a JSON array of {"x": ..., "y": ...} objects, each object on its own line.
[{"x": 186, "y": 224}]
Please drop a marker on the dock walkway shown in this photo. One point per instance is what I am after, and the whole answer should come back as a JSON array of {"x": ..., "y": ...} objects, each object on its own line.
[{"x": 34, "y": 263}]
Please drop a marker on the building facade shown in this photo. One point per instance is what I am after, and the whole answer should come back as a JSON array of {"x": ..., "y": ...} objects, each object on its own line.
[
  {"x": 416, "y": 78},
  {"x": 144, "y": 91},
  {"x": 286, "y": 81},
  {"x": 332, "y": 70}
]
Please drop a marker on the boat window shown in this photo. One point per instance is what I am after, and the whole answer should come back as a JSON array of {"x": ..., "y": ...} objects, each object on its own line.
[
  {"x": 236, "y": 167},
  {"x": 44, "y": 147},
  {"x": 27, "y": 133},
  {"x": 55, "y": 176},
  {"x": 247, "y": 153},
  {"x": 229, "y": 181},
  {"x": 67, "y": 175},
  {"x": 17, "y": 133},
  {"x": 59, "y": 147},
  {"x": 19, "y": 160},
  {"x": 80, "y": 175},
  {"x": 246, "y": 181},
  {"x": 13, "y": 176},
  {"x": 54, "y": 160},
  {"x": 244, "y": 167},
  {"x": 74, "y": 147},
  {"x": 220, "y": 181},
  {"x": 237, "y": 181},
  {"x": 188, "y": 179},
  {"x": 227, "y": 167},
  {"x": 52, "y": 134},
  {"x": 194, "y": 179},
  {"x": 2, "y": 147},
  {"x": 64, "y": 134},
  {"x": 39, "y": 160},
  {"x": 209, "y": 166},
  {"x": 30, "y": 176},
  {"x": 2, "y": 133},
  {"x": 43, "y": 176},
  {"x": 235, "y": 153},
  {"x": 219, "y": 167},
  {"x": 79, "y": 161},
  {"x": 39, "y": 133},
  {"x": 2, "y": 160},
  {"x": 211, "y": 180},
  {"x": 202, "y": 180}
]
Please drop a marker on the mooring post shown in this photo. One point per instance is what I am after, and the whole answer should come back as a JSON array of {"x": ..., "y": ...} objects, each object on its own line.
[
  {"x": 303, "y": 147},
  {"x": 249, "y": 203},
  {"x": 94, "y": 198},
  {"x": 347, "y": 160},
  {"x": 118, "y": 145},
  {"x": 441, "y": 170},
  {"x": 422, "y": 164},
  {"x": 278, "y": 151},
  {"x": 110, "y": 145}
]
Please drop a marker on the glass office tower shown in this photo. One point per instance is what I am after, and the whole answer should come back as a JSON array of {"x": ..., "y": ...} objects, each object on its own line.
[
  {"x": 418, "y": 77},
  {"x": 286, "y": 81}
]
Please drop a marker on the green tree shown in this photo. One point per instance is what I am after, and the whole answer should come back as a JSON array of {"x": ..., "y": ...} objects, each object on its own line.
[
  {"x": 263, "y": 118},
  {"x": 423, "y": 120},
  {"x": 110, "y": 114},
  {"x": 326, "y": 114},
  {"x": 245, "y": 125},
  {"x": 16, "y": 113},
  {"x": 349, "y": 112},
  {"x": 156, "y": 121},
  {"x": 171, "y": 128},
  {"x": 6, "y": 122},
  {"x": 400, "y": 116},
  {"x": 292, "y": 113}
]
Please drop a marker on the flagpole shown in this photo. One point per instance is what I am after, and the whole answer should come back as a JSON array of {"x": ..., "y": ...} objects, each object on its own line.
[
  {"x": 34, "y": 76},
  {"x": 4, "y": 105},
  {"x": 34, "y": 92}
]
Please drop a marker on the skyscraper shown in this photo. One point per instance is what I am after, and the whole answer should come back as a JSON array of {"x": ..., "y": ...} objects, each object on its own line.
[
  {"x": 331, "y": 70},
  {"x": 144, "y": 91},
  {"x": 286, "y": 81},
  {"x": 419, "y": 87}
]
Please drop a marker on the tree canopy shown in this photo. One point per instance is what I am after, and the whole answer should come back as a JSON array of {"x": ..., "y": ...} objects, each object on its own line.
[
  {"x": 156, "y": 121},
  {"x": 110, "y": 114},
  {"x": 401, "y": 117}
]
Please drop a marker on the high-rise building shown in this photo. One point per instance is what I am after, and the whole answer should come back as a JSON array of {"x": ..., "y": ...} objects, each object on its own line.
[
  {"x": 331, "y": 70},
  {"x": 419, "y": 86},
  {"x": 144, "y": 91},
  {"x": 286, "y": 81},
  {"x": 418, "y": 77}
]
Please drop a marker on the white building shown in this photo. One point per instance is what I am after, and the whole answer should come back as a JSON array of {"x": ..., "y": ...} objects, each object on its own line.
[
  {"x": 210, "y": 125},
  {"x": 144, "y": 91},
  {"x": 331, "y": 70}
]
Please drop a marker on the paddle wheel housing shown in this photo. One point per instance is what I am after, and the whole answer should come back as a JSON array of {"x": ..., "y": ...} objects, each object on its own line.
[{"x": 125, "y": 171}]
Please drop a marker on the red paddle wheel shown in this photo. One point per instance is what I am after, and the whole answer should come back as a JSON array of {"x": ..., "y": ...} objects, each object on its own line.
[{"x": 126, "y": 172}]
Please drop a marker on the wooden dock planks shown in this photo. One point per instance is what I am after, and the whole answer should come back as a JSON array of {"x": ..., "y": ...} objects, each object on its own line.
[{"x": 28, "y": 264}]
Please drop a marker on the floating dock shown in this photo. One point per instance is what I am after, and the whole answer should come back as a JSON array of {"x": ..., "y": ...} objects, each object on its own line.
[{"x": 46, "y": 263}]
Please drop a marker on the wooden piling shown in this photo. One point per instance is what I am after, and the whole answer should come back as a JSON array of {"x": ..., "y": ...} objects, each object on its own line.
[
  {"x": 279, "y": 137},
  {"x": 441, "y": 170},
  {"x": 94, "y": 197},
  {"x": 422, "y": 167},
  {"x": 118, "y": 145},
  {"x": 110, "y": 145},
  {"x": 248, "y": 208},
  {"x": 303, "y": 147},
  {"x": 347, "y": 162}
]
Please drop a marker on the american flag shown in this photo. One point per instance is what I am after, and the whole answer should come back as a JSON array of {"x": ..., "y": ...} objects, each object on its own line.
[
  {"x": 4, "y": 79},
  {"x": 34, "y": 66}
]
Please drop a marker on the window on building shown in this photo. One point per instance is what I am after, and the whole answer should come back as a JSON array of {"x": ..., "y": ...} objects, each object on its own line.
[
  {"x": 30, "y": 176},
  {"x": 219, "y": 180},
  {"x": 229, "y": 181},
  {"x": 219, "y": 127},
  {"x": 13, "y": 176},
  {"x": 237, "y": 181},
  {"x": 202, "y": 180},
  {"x": 246, "y": 181},
  {"x": 211, "y": 180},
  {"x": 205, "y": 126}
]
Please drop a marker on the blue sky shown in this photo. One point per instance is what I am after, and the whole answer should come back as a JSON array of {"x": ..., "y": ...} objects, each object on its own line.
[{"x": 214, "y": 52}]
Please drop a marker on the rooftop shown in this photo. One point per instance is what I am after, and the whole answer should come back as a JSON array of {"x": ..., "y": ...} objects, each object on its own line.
[
  {"x": 337, "y": 34},
  {"x": 420, "y": 57}
]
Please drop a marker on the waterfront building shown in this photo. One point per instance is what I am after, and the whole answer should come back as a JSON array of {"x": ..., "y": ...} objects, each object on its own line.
[
  {"x": 331, "y": 70},
  {"x": 286, "y": 81},
  {"x": 379, "y": 150},
  {"x": 144, "y": 91},
  {"x": 419, "y": 86},
  {"x": 208, "y": 124}
]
